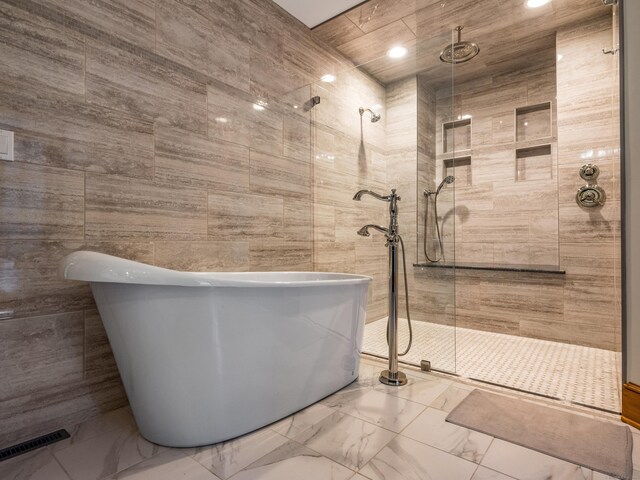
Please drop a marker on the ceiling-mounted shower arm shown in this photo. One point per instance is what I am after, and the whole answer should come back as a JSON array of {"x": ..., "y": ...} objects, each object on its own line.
[{"x": 459, "y": 30}]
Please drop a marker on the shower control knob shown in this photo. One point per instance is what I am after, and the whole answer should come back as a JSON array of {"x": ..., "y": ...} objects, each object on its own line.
[
  {"x": 590, "y": 196},
  {"x": 589, "y": 172}
]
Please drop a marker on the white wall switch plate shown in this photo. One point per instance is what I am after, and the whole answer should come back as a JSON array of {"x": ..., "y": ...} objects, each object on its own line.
[{"x": 6, "y": 145}]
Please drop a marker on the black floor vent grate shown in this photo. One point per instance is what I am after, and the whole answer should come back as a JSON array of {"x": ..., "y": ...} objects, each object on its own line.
[{"x": 29, "y": 445}]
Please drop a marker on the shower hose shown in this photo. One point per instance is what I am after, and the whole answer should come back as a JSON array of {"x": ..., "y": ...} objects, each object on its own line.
[
  {"x": 406, "y": 300},
  {"x": 426, "y": 217}
]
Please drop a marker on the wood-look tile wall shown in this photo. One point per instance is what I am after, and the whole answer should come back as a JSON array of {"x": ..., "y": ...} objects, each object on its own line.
[
  {"x": 499, "y": 216},
  {"x": 136, "y": 136},
  {"x": 350, "y": 154},
  {"x": 583, "y": 306}
]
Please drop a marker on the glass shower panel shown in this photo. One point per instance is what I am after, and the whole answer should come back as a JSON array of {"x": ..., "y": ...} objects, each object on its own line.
[
  {"x": 534, "y": 107},
  {"x": 432, "y": 289}
]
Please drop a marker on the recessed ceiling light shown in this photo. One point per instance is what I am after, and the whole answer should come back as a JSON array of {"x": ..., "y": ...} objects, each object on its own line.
[
  {"x": 328, "y": 78},
  {"x": 536, "y": 3},
  {"x": 560, "y": 56},
  {"x": 221, "y": 120},
  {"x": 260, "y": 105},
  {"x": 397, "y": 52}
]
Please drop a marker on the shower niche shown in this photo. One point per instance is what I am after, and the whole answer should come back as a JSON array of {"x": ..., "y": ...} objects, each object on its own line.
[
  {"x": 456, "y": 151},
  {"x": 534, "y": 139},
  {"x": 533, "y": 122},
  {"x": 456, "y": 136}
]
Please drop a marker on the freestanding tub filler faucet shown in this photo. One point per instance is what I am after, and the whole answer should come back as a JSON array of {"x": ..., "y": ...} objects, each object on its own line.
[{"x": 392, "y": 376}]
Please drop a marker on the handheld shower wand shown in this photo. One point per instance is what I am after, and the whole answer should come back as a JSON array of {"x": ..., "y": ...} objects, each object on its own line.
[{"x": 449, "y": 179}]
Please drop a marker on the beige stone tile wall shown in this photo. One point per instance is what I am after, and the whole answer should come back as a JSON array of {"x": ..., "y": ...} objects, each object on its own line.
[
  {"x": 498, "y": 216},
  {"x": 350, "y": 154},
  {"x": 136, "y": 135}
]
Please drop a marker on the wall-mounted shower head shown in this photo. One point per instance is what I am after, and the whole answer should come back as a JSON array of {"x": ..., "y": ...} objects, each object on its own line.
[
  {"x": 374, "y": 116},
  {"x": 460, "y": 51}
]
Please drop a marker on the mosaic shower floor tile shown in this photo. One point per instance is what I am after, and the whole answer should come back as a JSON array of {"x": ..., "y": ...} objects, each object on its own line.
[{"x": 583, "y": 375}]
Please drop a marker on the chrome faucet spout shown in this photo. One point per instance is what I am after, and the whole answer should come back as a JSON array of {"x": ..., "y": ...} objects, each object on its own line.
[
  {"x": 364, "y": 231},
  {"x": 358, "y": 196}
]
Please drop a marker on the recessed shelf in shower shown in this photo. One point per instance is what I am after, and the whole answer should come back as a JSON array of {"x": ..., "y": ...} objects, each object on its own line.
[
  {"x": 533, "y": 122},
  {"x": 460, "y": 168},
  {"x": 534, "y": 163},
  {"x": 456, "y": 135}
]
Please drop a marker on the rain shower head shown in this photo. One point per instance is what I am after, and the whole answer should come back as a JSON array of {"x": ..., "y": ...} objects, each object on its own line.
[
  {"x": 374, "y": 116},
  {"x": 460, "y": 51}
]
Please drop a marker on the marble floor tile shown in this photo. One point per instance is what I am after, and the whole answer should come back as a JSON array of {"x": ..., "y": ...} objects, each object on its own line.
[
  {"x": 386, "y": 411},
  {"x": 451, "y": 397},
  {"x": 484, "y": 473},
  {"x": 418, "y": 390},
  {"x": 170, "y": 465},
  {"x": 357, "y": 476},
  {"x": 120, "y": 420},
  {"x": 37, "y": 465},
  {"x": 106, "y": 454},
  {"x": 431, "y": 428},
  {"x": 368, "y": 378},
  {"x": 525, "y": 464},
  {"x": 304, "y": 419},
  {"x": 348, "y": 394},
  {"x": 602, "y": 476},
  {"x": 225, "y": 459},
  {"x": 404, "y": 458},
  {"x": 347, "y": 440},
  {"x": 293, "y": 461}
]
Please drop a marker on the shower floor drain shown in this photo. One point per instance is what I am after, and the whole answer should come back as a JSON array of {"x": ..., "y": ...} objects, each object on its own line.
[{"x": 33, "y": 444}]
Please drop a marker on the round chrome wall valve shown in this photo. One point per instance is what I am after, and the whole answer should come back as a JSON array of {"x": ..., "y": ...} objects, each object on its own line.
[
  {"x": 589, "y": 172},
  {"x": 590, "y": 196}
]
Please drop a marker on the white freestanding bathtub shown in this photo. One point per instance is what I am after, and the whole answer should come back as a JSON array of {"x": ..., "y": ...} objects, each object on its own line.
[{"x": 205, "y": 357}]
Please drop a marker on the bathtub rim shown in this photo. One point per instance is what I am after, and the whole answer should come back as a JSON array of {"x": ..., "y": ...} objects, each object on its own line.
[{"x": 89, "y": 266}]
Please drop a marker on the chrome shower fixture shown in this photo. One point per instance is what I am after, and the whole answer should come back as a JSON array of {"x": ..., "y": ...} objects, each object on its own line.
[
  {"x": 391, "y": 376},
  {"x": 374, "y": 116},
  {"x": 364, "y": 231},
  {"x": 449, "y": 179},
  {"x": 460, "y": 51}
]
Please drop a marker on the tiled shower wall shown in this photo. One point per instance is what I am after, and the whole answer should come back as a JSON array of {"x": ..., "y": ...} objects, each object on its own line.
[
  {"x": 136, "y": 135},
  {"x": 581, "y": 307}
]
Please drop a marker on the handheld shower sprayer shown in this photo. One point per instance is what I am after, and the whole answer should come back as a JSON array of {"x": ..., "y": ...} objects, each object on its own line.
[
  {"x": 374, "y": 116},
  {"x": 449, "y": 179},
  {"x": 445, "y": 181}
]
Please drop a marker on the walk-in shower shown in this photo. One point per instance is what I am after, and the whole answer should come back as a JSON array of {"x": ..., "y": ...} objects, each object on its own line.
[
  {"x": 511, "y": 281},
  {"x": 433, "y": 195}
]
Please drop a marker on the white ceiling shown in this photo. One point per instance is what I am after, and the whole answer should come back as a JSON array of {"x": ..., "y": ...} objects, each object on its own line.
[{"x": 313, "y": 12}]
